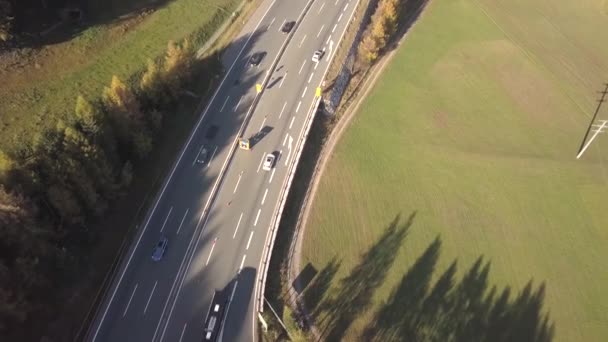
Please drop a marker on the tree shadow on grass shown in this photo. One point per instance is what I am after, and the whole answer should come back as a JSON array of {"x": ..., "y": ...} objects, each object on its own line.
[
  {"x": 355, "y": 292},
  {"x": 458, "y": 311}
]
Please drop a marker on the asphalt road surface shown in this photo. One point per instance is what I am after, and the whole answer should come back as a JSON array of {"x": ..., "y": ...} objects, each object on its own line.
[{"x": 221, "y": 248}]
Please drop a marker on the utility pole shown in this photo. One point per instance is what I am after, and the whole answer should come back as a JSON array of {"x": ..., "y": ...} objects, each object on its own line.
[{"x": 595, "y": 128}]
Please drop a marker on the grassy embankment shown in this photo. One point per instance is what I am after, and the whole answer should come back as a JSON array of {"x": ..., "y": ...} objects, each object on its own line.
[{"x": 471, "y": 136}]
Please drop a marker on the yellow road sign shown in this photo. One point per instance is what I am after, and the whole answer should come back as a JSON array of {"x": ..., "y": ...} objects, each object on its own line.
[
  {"x": 244, "y": 144},
  {"x": 258, "y": 88},
  {"x": 318, "y": 92}
]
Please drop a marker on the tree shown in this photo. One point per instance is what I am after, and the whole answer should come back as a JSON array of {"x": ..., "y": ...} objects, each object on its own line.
[
  {"x": 151, "y": 81},
  {"x": 118, "y": 98},
  {"x": 178, "y": 61},
  {"x": 6, "y": 20},
  {"x": 64, "y": 201},
  {"x": 89, "y": 117},
  {"x": 6, "y": 165}
]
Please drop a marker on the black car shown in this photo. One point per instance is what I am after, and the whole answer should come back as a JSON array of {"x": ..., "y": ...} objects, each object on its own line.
[
  {"x": 256, "y": 58},
  {"x": 288, "y": 26}
]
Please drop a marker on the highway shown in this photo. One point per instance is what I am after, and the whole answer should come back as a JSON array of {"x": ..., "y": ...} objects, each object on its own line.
[{"x": 216, "y": 242}]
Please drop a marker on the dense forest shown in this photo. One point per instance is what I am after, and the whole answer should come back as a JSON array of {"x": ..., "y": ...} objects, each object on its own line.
[{"x": 67, "y": 176}]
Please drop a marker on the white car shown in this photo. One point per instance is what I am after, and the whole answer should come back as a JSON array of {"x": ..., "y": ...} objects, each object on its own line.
[
  {"x": 317, "y": 55},
  {"x": 268, "y": 162}
]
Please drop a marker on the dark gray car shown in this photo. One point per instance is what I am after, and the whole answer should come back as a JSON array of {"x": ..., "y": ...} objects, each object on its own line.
[{"x": 160, "y": 248}]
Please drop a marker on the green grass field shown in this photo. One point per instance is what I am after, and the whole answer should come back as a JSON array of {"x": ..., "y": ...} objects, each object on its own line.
[
  {"x": 471, "y": 136},
  {"x": 46, "y": 86}
]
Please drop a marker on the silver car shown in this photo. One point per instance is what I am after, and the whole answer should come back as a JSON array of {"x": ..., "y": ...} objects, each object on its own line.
[
  {"x": 160, "y": 248},
  {"x": 202, "y": 156},
  {"x": 268, "y": 162},
  {"x": 317, "y": 55}
]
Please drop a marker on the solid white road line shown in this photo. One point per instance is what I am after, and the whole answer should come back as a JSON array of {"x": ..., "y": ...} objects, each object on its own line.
[
  {"x": 333, "y": 29},
  {"x": 288, "y": 155},
  {"x": 282, "y": 109},
  {"x": 302, "y": 42},
  {"x": 321, "y": 8},
  {"x": 151, "y": 293},
  {"x": 302, "y": 67},
  {"x": 280, "y": 27},
  {"x": 129, "y": 303},
  {"x": 212, "y": 247},
  {"x": 196, "y": 156},
  {"x": 271, "y": 175},
  {"x": 242, "y": 263},
  {"x": 298, "y": 107},
  {"x": 238, "y": 103},
  {"x": 212, "y": 155},
  {"x": 263, "y": 122},
  {"x": 310, "y": 77},
  {"x": 183, "y": 331},
  {"x": 293, "y": 118},
  {"x": 285, "y": 140},
  {"x": 257, "y": 217},
  {"x": 224, "y": 105},
  {"x": 181, "y": 223},
  {"x": 264, "y": 197},
  {"x": 167, "y": 218},
  {"x": 268, "y": 28},
  {"x": 237, "y": 182},
  {"x": 282, "y": 80},
  {"x": 249, "y": 242},
  {"x": 321, "y": 30},
  {"x": 304, "y": 92},
  {"x": 340, "y": 17},
  {"x": 237, "y": 226}
]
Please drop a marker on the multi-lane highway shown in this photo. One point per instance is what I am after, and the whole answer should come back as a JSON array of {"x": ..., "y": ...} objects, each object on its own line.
[{"x": 216, "y": 215}]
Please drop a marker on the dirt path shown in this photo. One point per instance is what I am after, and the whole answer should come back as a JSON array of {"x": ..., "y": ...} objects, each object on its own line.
[{"x": 365, "y": 87}]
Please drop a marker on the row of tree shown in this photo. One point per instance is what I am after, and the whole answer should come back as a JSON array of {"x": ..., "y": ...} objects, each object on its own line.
[
  {"x": 381, "y": 28},
  {"x": 51, "y": 190}
]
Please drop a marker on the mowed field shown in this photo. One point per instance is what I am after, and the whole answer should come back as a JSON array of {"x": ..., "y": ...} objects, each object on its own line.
[
  {"x": 121, "y": 36},
  {"x": 465, "y": 149}
]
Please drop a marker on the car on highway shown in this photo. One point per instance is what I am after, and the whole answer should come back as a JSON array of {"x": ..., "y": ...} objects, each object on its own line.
[
  {"x": 160, "y": 248},
  {"x": 288, "y": 26},
  {"x": 213, "y": 321},
  {"x": 256, "y": 58},
  {"x": 268, "y": 162},
  {"x": 202, "y": 156},
  {"x": 317, "y": 55}
]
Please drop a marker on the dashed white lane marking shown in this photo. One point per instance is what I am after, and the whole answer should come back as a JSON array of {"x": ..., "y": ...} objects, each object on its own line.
[
  {"x": 238, "y": 103},
  {"x": 249, "y": 242},
  {"x": 316, "y": 65},
  {"x": 302, "y": 42},
  {"x": 167, "y": 218},
  {"x": 336, "y": 2},
  {"x": 224, "y": 105},
  {"x": 196, "y": 156},
  {"x": 345, "y": 7},
  {"x": 233, "y": 290},
  {"x": 181, "y": 223},
  {"x": 261, "y": 160},
  {"x": 212, "y": 155},
  {"x": 264, "y": 197},
  {"x": 130, "y": 299},
  {"x": 237, "y": 183},
  {"x": 263, "y": 122},
  {"x": 242, "y": 262},
  {"x": 257, "y": 217},
  {"x": 237, "y": 226},
  {"x": 288, "y": 155},
  {"x": 211, "y": 252},
  {"x": 310, "y": 77},
  {"x": 292, "y": 120},
  {"x": 321, "y": 8},
  {"x": 304, "y": 92},
  {"x": 327, "y": 41},
  {"x": 151, "y": 293},
  {"x": 282, "y": 80},
  {"x": 302, "y": 67},
  {"x": 333, "y": 29},
  {"x": 272, "y": 22},
  {"x": 183, "y": 331},
  {"x": 340, "y": 17},
  {"x": 282, "y": 109},
  {"x": 271, "y": 175},
  {"x": 285, "y": 140},
  {"x": 321, "y": 30},
  {"x": 298, "y": 107},
  {"x": 280, "y": 27}
]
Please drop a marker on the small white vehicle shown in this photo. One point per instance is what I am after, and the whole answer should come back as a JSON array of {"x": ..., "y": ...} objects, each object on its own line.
[
  {"x": 317, "y": 55},
  {"x": 268, "y": 162}
]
